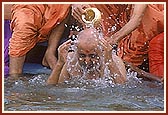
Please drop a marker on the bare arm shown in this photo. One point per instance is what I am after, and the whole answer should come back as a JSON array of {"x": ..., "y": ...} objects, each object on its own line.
[
  {"x": 53, "y": 42},
  {"x": 134, "y": 22},
  {"x": 114, "y": 63},
  {"x": 54, "y": 76},
  {"x": 120, "y": 68},
  {"x": 62, "y": 55},
  {"x": 64, "y": 74},
  {"x": 117, "y": 69},
  {"x": 144, "y": 74}
]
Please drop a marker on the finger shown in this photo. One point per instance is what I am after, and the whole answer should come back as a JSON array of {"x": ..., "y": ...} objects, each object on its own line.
[
  {"x": 108, "y": 39},
  {"x": 65, "y": 45},
  {"x": 75, "y": 14},
  {"x": 80, "y": 10},
  {"x": 106, "y": 43},
  {"x": 67, "y": 42},
  {"x": 76, "y": 11},
  {"x": 85, "y": 6},
  {"x": 78, "y": 16},
  {"x": 103, "y": 43}
]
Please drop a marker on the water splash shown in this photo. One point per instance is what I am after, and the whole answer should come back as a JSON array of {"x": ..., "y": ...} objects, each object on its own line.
[{"x": 80, "y": 94}]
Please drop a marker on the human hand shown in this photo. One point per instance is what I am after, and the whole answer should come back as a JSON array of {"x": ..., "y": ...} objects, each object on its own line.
[
  {"x": 112, "y": 40},
  {"x": 107, "y": 48},
  {"x": 78, "y": 10},
  {"x": 63, "y": 51}
]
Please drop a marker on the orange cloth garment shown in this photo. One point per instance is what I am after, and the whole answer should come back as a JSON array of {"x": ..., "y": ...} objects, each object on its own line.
[
  {"x": 134, "y": 47},
  {"x": 114, "y": 16},
  {"x": 156, "y": 55},
  {"x": 32, "y": 23}
]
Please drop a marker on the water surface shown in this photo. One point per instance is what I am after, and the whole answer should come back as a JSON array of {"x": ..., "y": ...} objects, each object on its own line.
[{"x": 31, "y": 93}]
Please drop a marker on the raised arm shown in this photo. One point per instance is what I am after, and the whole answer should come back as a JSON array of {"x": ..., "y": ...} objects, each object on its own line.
[
  {"x": 62, "y": 55},
  {"x": 114, "y": 63},
  {"x": 134, "y": 22}
]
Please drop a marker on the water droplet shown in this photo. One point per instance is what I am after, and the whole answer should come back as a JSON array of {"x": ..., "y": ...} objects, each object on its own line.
[{"x": 66, "y": 25}]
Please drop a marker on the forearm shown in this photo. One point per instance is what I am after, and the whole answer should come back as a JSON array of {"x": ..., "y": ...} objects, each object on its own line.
[
  {"x": 64, "y": 75},
  {"x": 127, "y": 29},
  {"x": 55, "y": 74},
  {"x": 143, "y": 74},
  {"x": 56, "y": 34},
  {"x": 133, "y": 23},
  {"x": 116, "y": 74}
]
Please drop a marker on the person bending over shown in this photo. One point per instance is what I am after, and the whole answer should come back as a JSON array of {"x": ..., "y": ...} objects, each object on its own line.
[{"x": 33, "y": 23}]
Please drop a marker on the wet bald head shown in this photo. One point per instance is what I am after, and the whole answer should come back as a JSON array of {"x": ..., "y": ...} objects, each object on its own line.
[
  {"x": 88, "y": 39},
  {"x": 88, "y": 52}
]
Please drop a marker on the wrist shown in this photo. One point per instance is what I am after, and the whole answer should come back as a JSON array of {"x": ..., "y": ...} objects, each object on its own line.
[
  {"x": 116, "y": 37},
  {"x": 60, "y": 63}
]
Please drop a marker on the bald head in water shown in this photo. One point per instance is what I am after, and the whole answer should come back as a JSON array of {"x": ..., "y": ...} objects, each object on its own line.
[
  {"x": 88, "y": 39},
  {"x": 88, "y": 51},
  {"x": 89, "y": 55}
]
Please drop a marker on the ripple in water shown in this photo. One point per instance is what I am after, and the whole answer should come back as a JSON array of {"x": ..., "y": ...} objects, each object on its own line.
[{"x": 32, "y": 94}]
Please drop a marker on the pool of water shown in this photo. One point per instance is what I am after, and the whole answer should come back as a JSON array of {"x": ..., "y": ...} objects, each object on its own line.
[{"x": 31, "y": 93}]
